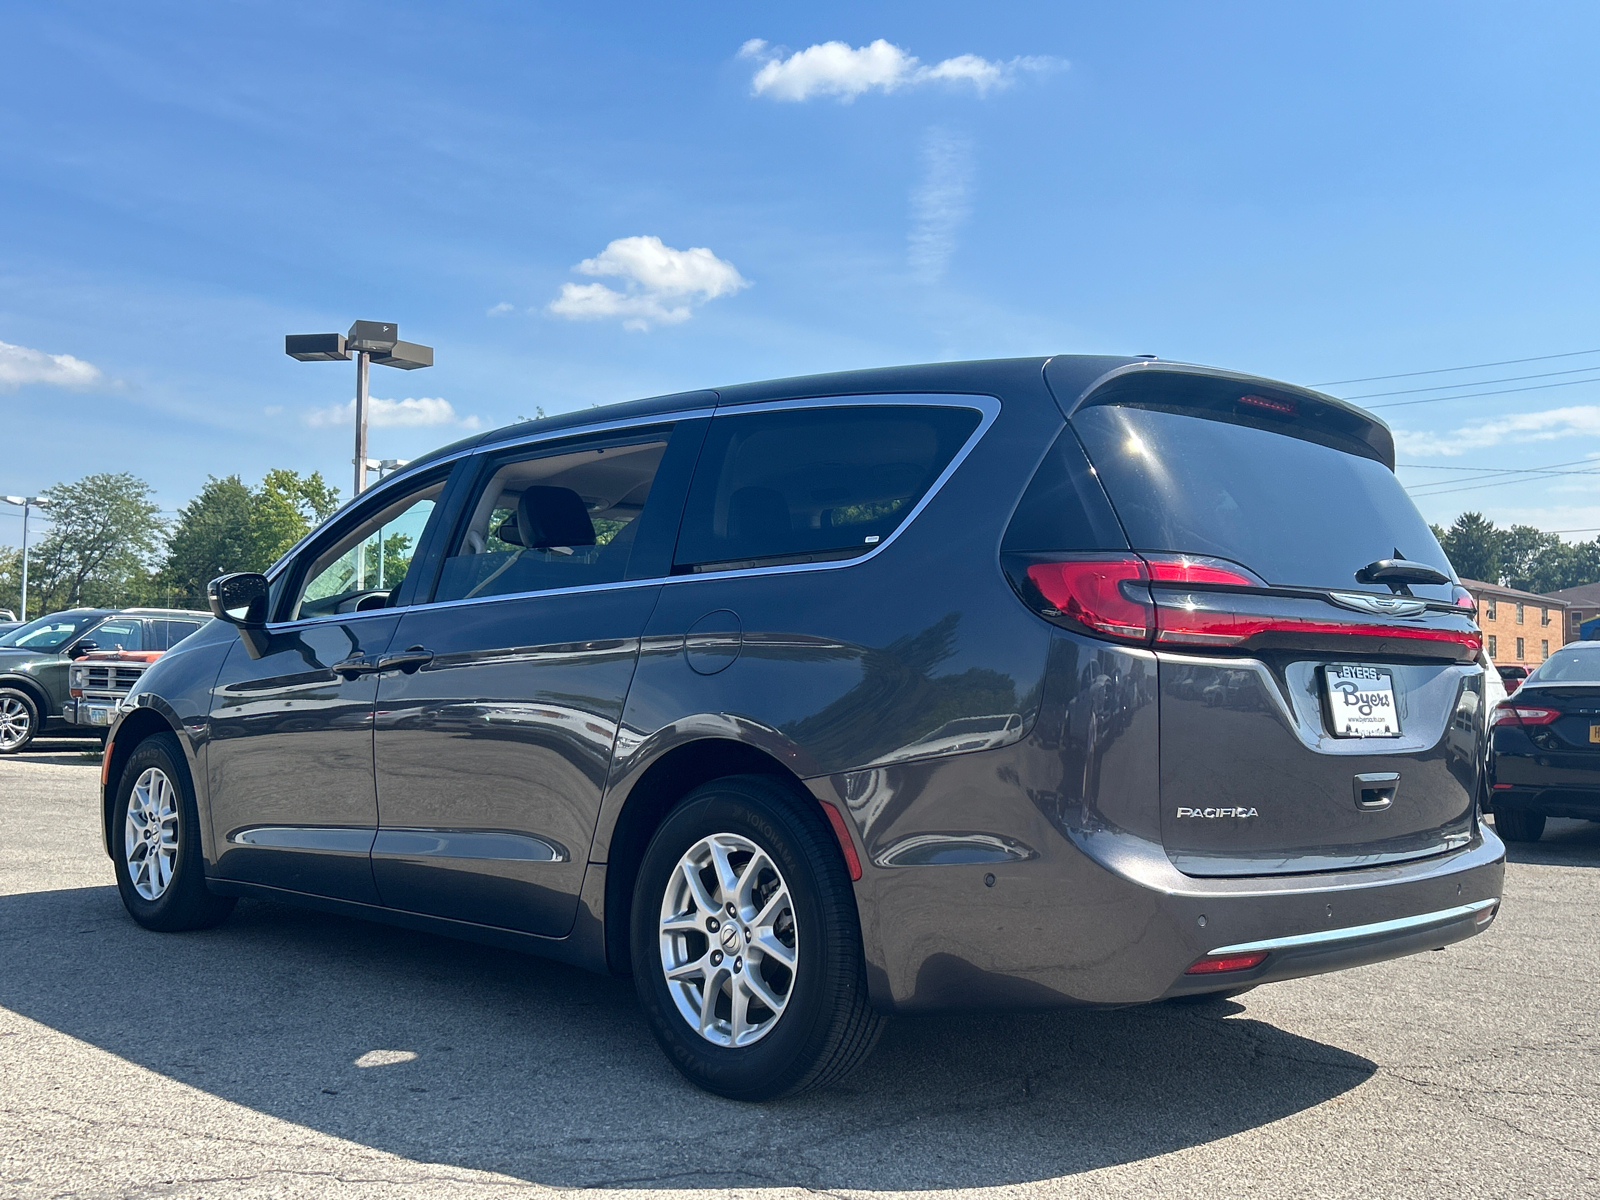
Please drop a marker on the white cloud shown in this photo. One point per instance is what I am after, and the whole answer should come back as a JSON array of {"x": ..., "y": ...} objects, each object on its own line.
[
  {"x": 1580, "y": 420},
  {"x": 939, "y": 203},
  {"x": 20, "y": 365},
  {"x": 504, "y": 306},
  {"x": 662, "y": 286},
  {"x": 392, "y": 414},
  {"x": 837, "y": 69}
]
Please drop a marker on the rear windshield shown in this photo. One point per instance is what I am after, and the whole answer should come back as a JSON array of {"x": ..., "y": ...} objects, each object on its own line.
[
  {"x": 1569, "y": 666},
  {"x": 1296, "y": 512}
]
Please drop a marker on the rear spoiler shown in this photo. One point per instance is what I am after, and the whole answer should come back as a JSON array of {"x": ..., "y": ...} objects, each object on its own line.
[{"x": 1228, "y": 396}]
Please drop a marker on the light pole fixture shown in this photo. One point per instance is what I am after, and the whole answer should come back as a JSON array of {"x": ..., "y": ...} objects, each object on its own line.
[
  {"x": 371, "y": 341},
  {"x": 26, "y": 503}
]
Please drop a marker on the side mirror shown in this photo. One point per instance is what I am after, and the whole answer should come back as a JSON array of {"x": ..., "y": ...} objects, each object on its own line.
[
  {"x": 83, "y": 648},
  {"x": 241, "y": 599}
]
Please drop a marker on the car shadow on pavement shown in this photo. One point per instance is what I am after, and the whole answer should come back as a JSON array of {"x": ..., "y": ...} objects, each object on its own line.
[
  {"x": 486, "y": 1059},
  {"x": 1565, "y": 843},
  {"x": 60, "y": 752}
]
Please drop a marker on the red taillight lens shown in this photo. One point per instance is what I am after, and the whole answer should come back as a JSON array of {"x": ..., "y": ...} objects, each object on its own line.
[
  {"x": 1506, "y": 713},
  {"x": 1095, "y": 593},
  {"x": 1464, "y": 600},
  {"x": 1187, "y": 621},
  {"x": 1214, "y": 964},
  {"x": 1184, "y": 568}
]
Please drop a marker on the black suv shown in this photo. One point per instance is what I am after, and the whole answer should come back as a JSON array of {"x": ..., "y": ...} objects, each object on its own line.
[{"x": 1022, "y": 683}]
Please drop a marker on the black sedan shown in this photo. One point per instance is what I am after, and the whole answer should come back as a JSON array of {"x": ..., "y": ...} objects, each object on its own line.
[{"x": 1547, "y": 745}]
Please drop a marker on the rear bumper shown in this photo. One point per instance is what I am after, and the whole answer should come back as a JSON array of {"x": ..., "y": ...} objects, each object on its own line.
[{"x": 1579, "y": 802}]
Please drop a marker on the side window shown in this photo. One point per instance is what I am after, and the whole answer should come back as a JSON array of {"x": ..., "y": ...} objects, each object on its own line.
[
  {"x": 364, "y": 566},
  {"x": 554, "y": 520},
  {"x": 164, "y": 635},
  {"x": 117, "y": 634},
  {"x": 807, "y": 485}
]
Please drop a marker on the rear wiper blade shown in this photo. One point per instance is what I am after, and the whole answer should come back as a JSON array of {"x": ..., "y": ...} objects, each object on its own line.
[{"x": 1397, "y": 573}]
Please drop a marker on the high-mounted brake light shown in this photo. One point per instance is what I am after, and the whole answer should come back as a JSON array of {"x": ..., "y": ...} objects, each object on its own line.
[
  {"x": 1277, "y": 406},
  {"x": 1507, "y": 713},
  {"x": 1215, "y": 964},
  {"x": 1095, "y": 593}
]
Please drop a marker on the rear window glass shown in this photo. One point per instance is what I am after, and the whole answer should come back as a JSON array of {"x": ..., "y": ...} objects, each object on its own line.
[
  {"x": 813, "y": 484},
  {"x": 1294, "y": 511},
  {"x": 1569, "y": 666}
]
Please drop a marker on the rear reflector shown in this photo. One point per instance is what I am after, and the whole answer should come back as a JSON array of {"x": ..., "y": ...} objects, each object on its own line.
[
  {"x": 1215, "y": 964},
  {"x": 1507, "y": 713}
]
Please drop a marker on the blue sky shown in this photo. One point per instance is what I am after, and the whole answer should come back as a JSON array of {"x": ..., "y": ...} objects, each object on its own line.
[{"x": 1312, "y": 192}]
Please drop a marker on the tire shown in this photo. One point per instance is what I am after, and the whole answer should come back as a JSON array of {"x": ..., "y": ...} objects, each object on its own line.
[
  {"x": 164, "y": 890},
  {"x": 19, "y": 720},
  {"x": 824, "y": 1025},
  {"x": 1518, "y": 824}
]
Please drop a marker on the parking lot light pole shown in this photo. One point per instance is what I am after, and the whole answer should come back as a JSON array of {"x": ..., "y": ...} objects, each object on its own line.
[
  {"x": 371, "y": 341},
  {"x": 26, "y": 503}
]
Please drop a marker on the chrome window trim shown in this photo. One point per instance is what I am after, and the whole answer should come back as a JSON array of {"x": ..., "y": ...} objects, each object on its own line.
[
  {"x": 987, "y": 406},
  {"x": 1352, "y": 933}
]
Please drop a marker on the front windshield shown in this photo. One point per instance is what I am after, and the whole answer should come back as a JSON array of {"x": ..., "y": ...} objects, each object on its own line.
[
  {"x": 1569, "y": 666},
  {"x": 50, "y": 633}
]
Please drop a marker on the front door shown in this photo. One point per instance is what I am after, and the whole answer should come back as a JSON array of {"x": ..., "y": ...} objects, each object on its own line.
[
  {"x": 289, "y": 764},
  {"x": 494, "y": 739}
]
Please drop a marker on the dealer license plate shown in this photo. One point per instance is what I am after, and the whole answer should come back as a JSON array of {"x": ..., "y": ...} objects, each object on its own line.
[{"x": 1361, "y": 700}]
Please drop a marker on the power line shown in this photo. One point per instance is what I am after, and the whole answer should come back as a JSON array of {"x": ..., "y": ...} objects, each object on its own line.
[
  {"x": 1538, "y": 387},
  {"x": 1507, "y": 362},
  {"x": 1473, "y": 487},
  {"x": 1439, "y": 387}
]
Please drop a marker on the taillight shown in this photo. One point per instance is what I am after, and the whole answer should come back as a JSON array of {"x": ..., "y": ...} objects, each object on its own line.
[
  {"x": 1188, "y": 568},
  {"x": 1215, "y": 964},
  {"x": 1506, "y": 713},
  {"x": 1142, "y": 599},
  {"x": 1107, "y": 595},
  {"x": 1463, "y": 599}
]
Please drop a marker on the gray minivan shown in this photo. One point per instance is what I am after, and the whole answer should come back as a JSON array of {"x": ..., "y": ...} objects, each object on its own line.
[{"x": 1036, "y": 682}]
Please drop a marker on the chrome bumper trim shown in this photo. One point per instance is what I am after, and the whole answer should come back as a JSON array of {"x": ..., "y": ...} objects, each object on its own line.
[{"x": 1354, "y": 933}]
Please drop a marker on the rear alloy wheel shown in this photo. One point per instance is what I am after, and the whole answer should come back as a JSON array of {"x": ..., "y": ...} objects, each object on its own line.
[
  {"x": 19, "y": 720},
  {"x": 160, "y": 875},
  {"x": 746, "y": 943},
  {"x": 1518, "y": 824}
]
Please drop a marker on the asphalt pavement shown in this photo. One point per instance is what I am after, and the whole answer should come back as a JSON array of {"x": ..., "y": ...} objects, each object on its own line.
[{"x": 293, "y": 1054}]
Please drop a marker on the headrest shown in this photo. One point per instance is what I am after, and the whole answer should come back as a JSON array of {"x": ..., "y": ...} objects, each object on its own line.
[
  {"x": 757, "y": 513},
  {"x": 548, "y": 516}
]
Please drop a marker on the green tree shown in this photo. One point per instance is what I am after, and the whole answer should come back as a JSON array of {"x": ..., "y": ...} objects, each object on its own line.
[
  {"x": 1473, "y": 546},
  {"x": 214, "y": 535},
  {"x": 1529, "y": 556},
  {"x": 232, "y": 527},
  {"x": 286, "y": 508},
  {"x": 104, "y": 532}
]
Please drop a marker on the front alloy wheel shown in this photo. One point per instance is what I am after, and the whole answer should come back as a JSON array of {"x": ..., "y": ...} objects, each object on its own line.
[
  {"x": 728, "y": 941},
  {"x": 18, "y": 721},
  {"x": 150, "y": 833}
]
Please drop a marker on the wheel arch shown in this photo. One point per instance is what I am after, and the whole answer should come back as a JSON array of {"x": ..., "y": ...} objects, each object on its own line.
[
  {"x": 137, "y": 726},
  {"x": 658, "y": 789}
]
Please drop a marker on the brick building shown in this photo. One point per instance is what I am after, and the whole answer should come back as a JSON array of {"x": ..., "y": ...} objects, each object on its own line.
[
  {"x": 1583, "y": 604},
  {"x": 1519, "y": 627}
]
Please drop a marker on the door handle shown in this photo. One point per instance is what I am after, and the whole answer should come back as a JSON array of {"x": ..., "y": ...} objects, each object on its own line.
[
  {"x": 353, "y": 668},
  {"x": 412, "y": 661}
]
